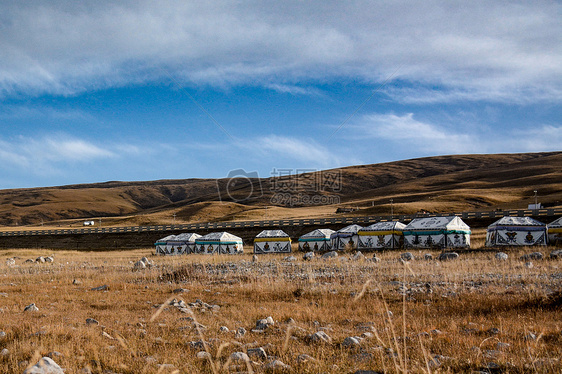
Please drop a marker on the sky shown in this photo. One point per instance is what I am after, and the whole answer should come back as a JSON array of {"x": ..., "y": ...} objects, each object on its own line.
[{"x": 139, "y": 90}]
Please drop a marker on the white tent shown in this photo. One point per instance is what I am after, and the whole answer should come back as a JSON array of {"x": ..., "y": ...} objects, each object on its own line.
[
  {"x": 380, "y": 235},
  {"x": 272, "y": 241},
  {"x": 317, "y": 240},
  {"x": 345, "y": 237},
  {"x": 555, "y": 231},
  {"x": 437, "y": 232},
  {"x": 219, "y": 243},
  {"x": 177, "y": 244},
  {"x": 512, "y": 231}
]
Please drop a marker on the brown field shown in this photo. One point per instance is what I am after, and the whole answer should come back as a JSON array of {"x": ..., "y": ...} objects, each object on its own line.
[{"x": 474, "y": 313}]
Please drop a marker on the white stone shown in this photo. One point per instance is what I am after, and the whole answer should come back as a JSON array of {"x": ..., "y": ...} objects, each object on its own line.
[
  {"x": 351, "y": 342},
  {"x": 277, "y": 365},
  {"x": 203, "y": 355},
  {"x": 10, "y": 262},
  {"x": 320, "y": 337},
  {"x": 239, "y": 356},
  {"x": 331, "y": 254},
  {"x": 49, "y": 259},
  {"x": 4, "y": 352},
  {"x": 308, "y": 256},
  {"x": 501, "y": 256},
  {"x": 31, "y": 308},
  {"x": 45, "y": 366},
  {"x": 290, "y": 259},
  {"x": 139, "y": 265}
]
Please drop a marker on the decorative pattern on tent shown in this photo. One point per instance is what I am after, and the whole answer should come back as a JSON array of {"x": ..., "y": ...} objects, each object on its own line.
[
  {"x": 346, "y": 237},
  {"x": 387, "y": 235},
  {"x": 514, "y": 231},
  {"x": 272, "y": 241},
  {"x": 176, "y": 244},
  {"x": 318, "y": 241},
  {"x": 437, "y": 232},
  {"x": 555, "y": 231},
  {"x": 219, "y": 243}
]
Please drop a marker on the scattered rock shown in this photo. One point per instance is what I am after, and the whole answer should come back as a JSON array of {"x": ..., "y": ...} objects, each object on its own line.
[
  {"x": 224, "y": 329},
  {"x": 407, "y": 256},
  {"x": 45, "y": 365},
  {"x": 180, "y": 290},
  {"x": 436, "y": 332},
  {"x": 54, "y": 354},
  {"x": 428, "y": 257},
  {"x": 556, "y": 254},
  {"x": 4, "y": 352},
  {"x": 331, "y": 254},
  {"x": 302, "y": 358},
  {"x": 352, "y": 342},
  {"x": 257, "y": 353},
  {"x": 139, "y": 265},
  {"x": 49, "y": 259},
  {"x": 76, "y": 282},
  {"x": 203, "y": 355},
  {"x": 530, "y": 336},
  {"x": 320, "y": 337},
  {"x": 277, "y": 365},
  {"x": 10, "y": 262},
  {"x": 240, "y": 332},
  {"x": 358, "y": 256},
  {"x": 91, "y": 321},
  {"x": 239, "y": 356},
  {"x": 448, "y": 256},
  {"x": 31, "y": 308},
  {"x": 255, "y": 258},
  {"x": 290, "y": 259},
  {"x": 308, "y": 256},
  {"x": 105, "y": 287},
  {"x": 375, "y": 258},
  {"x": 2, "y": 335},
  {"x": 529, "y": 265},
  {"x": 501, "y": 256},
  {"x": 40, "y": 260},
  {"x": 532, "y": 256}
]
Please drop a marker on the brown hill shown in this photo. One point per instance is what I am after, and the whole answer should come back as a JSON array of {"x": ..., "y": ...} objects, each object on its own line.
[{"x": 440, "y": 184}]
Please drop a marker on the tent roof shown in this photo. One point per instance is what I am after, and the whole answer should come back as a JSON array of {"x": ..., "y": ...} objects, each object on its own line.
[
  {"x": 187, "y": 237},
  {"x": 272, "y": 234},
  {"x": 167, "y": 238},
  {"x": 384, "y": 226},
  {"x": 517, "y": 221},
  {"x": 432, "y": 223},
  {"x": 220, "y": 236},
  {"x": 352, "y": 229},
  {"x": 556, "y": 223},
  {"x": 318, "y": 233}
]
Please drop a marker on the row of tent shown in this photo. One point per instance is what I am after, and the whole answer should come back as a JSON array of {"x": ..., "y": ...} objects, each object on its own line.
[{"x": 431, "y": 232}]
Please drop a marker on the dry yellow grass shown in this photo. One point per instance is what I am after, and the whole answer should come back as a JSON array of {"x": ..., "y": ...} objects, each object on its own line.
[{"x": 464, "y": 299}]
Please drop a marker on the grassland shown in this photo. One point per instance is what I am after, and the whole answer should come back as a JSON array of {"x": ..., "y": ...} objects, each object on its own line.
[{"x": 474, "y": 313}]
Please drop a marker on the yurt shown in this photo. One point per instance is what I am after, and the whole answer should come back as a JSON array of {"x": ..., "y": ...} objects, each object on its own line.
[
  {"x": 272, "y": 241},
  {"x": 318, "y": 240},
  {"x": 164, "y": 245},
  {"x": 219, "y": 243},
  {"x": 513, "y": 231},
  {"x": 381, "y": 235},
  {"x": 555, "y": 231},
  {"x": 185, "y": 243},
  {"x": 346, "y": 237},
  {"x": 437, "y": 232}
]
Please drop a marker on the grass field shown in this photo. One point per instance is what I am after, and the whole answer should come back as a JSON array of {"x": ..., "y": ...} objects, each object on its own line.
[{"x": 471, "y": 314}]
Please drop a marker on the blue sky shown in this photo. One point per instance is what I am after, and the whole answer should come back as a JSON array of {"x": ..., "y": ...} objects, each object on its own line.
[{"x": 142, "y": 90}]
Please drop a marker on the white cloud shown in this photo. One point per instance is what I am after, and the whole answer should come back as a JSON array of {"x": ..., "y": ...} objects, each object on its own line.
[{"x": 479, "y": 49}]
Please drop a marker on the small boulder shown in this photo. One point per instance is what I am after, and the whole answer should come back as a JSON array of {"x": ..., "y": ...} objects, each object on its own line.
[
  {"x": 428, "y": 257},
  {"x": 254, "y": 258},
  {"x": 448, "y": 256},
  {"x": 139, "y": 265},
  {"x": 105, "y": 287},
  {"x": 91, "y": 321},
  {"x": 308, "y": 256},
  {"x": 10, "y": 262},
  {"x": 239, "y": 356},
  {"x": 203, "y": 355},
  {"x": 290, "y": 259},
  {"x": 375, "y": 259},
  {"x": 532, "y": 256},
  {"x": 31, "y": 308},
  {"x": 407, "y": 256},
  {"x": 277, "y": 365},
  {"x": 331, "y": 254},
  {"x": 49, "y": 259},
  {"x": 320, "y": 337},
  {"x": 45, "y": 365},
  {"x": 501, "y": 256},
  {"x": 352, "y": 342},
  {"x": 257, "y": 353},
  {"x": 40, "y": 260},
  {"x": 358, "y": 256},
  {"x": 556, "y": 254}
]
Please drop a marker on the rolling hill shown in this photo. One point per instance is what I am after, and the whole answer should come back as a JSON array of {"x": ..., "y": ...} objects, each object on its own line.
[{"x": 435, "y": 184}]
